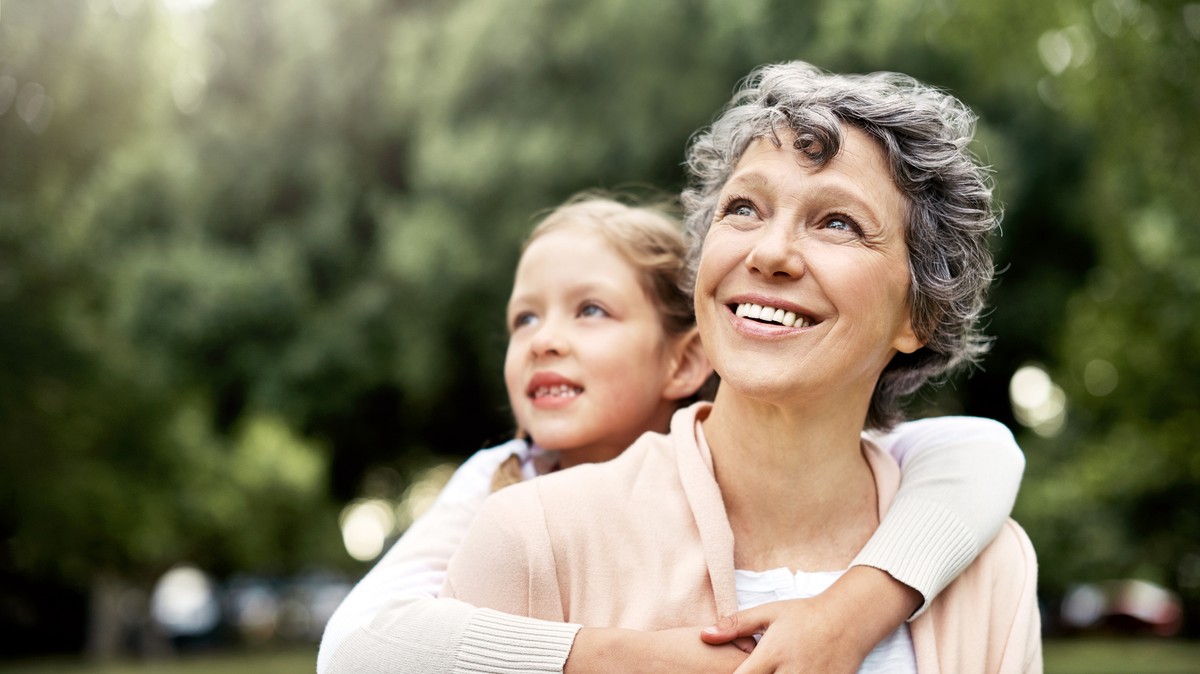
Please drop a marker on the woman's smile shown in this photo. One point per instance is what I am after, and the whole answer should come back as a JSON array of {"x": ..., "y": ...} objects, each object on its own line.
[{"x": 772, "y": 314}]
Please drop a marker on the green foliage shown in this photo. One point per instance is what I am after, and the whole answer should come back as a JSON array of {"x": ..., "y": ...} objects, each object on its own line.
[
  {"x": 1119, "y": 492},
  {"x": 251, "y": 251}
]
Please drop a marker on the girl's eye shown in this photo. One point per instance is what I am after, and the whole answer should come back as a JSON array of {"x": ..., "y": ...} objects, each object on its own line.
[
  {"x": 523, "y": 319},
  {"x": 592, "y": 310}
]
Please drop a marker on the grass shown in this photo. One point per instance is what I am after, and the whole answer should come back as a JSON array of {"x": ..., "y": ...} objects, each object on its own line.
[
  {"x": 1122, "y": 656},
  {"x": 1075, "y": 656}
]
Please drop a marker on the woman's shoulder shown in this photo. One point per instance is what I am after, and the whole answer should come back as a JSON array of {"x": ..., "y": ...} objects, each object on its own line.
[
  {"x": 650, "y": 446},
  {"x": 647, "y": 470},
  {"x": 1011, "y": 552},
  {"x": 646, "y": 462}
]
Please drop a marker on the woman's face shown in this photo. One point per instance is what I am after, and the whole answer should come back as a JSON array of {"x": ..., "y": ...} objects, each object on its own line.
[{"x": 803, "y": 279}]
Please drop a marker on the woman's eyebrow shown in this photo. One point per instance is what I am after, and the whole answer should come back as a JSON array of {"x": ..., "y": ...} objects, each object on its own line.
[
  {"x": 750, "y": 180},
  {"x": 849, "y": 194}
]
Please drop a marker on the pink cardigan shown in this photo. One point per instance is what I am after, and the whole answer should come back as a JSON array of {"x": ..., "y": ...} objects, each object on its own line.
[{"x": 643, "y": 542}]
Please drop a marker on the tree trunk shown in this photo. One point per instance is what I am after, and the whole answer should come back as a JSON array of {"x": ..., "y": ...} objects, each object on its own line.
[
  {"x": 119, "y": 621},
  {"x": 106, "y": 621}
]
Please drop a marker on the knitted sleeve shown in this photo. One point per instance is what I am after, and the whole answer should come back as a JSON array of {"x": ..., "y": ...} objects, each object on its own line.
[
  {"x": 392, "y": 621},
  {"x": 448, "y": 636},
  {"x": 506, "y": 563},
  {"x": 959, "y": 480}
]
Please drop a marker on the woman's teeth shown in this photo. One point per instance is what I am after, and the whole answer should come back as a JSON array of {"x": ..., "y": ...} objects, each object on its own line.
[
  {"x": 560, "y": 391},
  {"x": 772, "y": 315}
]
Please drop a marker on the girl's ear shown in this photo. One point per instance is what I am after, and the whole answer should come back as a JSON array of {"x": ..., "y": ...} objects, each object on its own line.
[{"x": 689, "y": 366}]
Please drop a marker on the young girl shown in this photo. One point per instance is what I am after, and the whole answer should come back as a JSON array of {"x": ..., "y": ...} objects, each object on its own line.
[{"x": 603, "y": 348}]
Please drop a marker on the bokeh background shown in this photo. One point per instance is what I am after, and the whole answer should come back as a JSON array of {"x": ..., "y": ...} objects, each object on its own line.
[{"x": 254, "y": 256}]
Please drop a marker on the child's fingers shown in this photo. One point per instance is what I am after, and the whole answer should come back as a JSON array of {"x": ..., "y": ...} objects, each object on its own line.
[
  {"x": 747, "y": 644},
  {"x": 741, "y": 624}
]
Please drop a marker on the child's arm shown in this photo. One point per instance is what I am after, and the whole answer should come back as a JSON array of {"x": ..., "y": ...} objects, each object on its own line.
[
  {"x": 392, "y": 622},
  {"x": 959, "y": 480}
]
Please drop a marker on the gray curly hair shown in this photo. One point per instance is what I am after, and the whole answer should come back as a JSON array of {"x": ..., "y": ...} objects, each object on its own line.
[{"x": 924, "y": 134}]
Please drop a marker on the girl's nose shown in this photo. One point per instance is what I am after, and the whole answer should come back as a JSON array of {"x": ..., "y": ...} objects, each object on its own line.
[
  {"x": 550, "y": 339},
  {"x": 778, "y": 252}
]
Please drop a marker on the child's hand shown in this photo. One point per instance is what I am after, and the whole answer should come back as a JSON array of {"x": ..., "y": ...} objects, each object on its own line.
[
  {"x": 831, "y": 632},
  {"x": 796, "y": 638},
  {"x": 675, "y": 650}
]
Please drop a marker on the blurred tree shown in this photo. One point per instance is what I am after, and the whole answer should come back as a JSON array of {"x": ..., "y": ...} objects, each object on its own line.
[
  {"x": 117, "y": 463},
  {"x": 1121, "y": 498},
  {"x": 252, "y": 252}
]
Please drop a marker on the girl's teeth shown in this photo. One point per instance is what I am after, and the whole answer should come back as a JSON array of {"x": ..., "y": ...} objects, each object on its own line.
[
  {"x": 785, "y": 318},
  {"x": 560, "y": 391}
]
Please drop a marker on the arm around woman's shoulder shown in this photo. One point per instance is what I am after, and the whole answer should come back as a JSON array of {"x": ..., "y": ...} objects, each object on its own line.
[
  {"x": 392, "y": 621},
  {"x": 959, "y": 479}
]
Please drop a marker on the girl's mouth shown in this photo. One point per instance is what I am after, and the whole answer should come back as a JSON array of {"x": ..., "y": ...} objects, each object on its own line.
[
  {"x": 547, "y": 386},
  {"x": 560, "y": 391}
]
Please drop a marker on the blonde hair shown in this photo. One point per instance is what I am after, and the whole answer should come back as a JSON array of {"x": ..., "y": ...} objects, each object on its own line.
[{"x": 647, "y": 236}]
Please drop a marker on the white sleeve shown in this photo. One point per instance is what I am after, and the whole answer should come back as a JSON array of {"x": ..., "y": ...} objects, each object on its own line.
[
  {"x": 959, "y": 480},
  {"x": 447, "y": 636},
  {"x": 392, "y": 615}
]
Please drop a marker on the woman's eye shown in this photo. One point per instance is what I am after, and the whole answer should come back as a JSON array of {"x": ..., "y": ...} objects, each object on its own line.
[
  {"x": 590, "y": 310},
  {"x": 842, "y": 224},
  {"x": 738, "y": 206}
]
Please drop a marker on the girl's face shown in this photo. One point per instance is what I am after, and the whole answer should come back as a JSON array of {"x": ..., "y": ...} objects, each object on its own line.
[
  {"x": 803, "y": 281},
  {"x": 588, "y": 361}
]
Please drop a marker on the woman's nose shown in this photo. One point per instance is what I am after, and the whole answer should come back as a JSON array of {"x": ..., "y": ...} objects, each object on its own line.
[{"x": 778, "y": 252}]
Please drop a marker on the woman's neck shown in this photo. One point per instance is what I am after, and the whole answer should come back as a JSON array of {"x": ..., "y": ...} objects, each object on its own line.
[{"x": 797, "y": 488}]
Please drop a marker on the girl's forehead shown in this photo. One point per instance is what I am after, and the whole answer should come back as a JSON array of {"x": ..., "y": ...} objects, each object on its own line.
[
  {"x": 584, "y": 246},
  {"x": 573, "y": 258}
]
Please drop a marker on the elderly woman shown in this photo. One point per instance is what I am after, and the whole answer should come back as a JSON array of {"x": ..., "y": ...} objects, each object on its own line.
[{"x": 840, "y": 260}]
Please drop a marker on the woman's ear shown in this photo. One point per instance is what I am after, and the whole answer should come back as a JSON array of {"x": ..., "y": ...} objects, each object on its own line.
[
  {"x": 906, "y": 340},
  {"x": 689, "y": 366}
]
